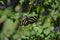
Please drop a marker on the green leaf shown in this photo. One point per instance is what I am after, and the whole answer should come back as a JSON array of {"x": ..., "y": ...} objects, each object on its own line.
[
  {"x": 46, "y": 31},
  {"x": 9, "y": 27},
  {"x": 47, "y": 38}
]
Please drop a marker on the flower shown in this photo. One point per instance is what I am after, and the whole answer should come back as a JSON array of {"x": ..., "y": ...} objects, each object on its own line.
[
  {"x": 45, "y": 12},
  {"x": 40, "y": 2},
  {"x": 54, "y": 29},
  {"x": 25, "y": 17}
]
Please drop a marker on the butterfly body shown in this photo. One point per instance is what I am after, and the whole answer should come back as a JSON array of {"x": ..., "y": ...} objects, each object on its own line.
[{"x": 29, "y": 20}]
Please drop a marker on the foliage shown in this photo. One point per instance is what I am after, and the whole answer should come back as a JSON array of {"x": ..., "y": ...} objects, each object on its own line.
[{"x": 43, "y": 29}]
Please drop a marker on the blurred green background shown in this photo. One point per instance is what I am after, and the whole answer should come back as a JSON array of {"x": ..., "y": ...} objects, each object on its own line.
[{"x": 46, "y": 28}]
